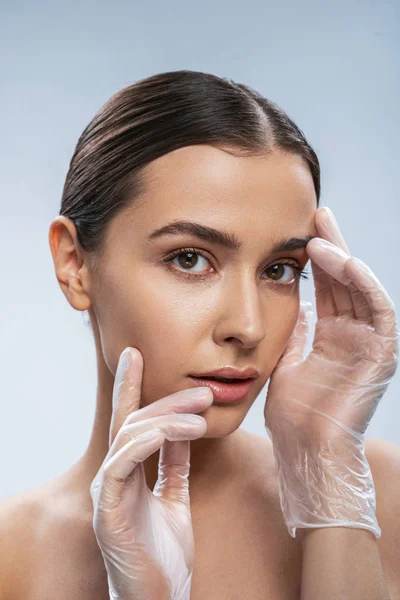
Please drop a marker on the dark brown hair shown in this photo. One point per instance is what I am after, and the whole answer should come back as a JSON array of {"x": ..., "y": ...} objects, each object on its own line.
[{"x": 157, "y": 115}]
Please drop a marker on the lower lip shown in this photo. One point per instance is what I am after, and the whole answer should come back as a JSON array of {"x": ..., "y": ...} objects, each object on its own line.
[{"x": 226, "y": 392}]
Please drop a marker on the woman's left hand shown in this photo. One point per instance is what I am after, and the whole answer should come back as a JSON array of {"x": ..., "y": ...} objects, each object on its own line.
[{"x": 322, "y": 404}]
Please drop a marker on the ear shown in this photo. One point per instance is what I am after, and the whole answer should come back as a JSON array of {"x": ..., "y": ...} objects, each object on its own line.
[
  {"x": 384, "y": 461},
  {"x": 71, "y": 271}
]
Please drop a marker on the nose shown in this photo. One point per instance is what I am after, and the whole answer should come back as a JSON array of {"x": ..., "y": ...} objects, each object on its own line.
[{"x": 241, "y": 314}]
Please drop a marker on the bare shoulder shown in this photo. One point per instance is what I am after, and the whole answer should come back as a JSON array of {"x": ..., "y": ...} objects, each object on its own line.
[
  {"x": 19, "y": 515},
  {"x": 384, "y": 460},
  {"x": 45, "y": 539},
  {"x": 376, "y": 449}
]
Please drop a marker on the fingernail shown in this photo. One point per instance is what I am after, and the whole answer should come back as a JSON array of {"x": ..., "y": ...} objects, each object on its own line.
[
  {"x": 332, "y": 216},
  {"x": 125, "y": 360},
  {"x": 122, "y": 367},
  {"x": 198, "y": 392},
  {"x": 332, "y": 247}
]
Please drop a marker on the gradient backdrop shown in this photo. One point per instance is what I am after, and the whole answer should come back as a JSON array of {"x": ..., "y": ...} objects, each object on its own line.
[{"x": 334, "y": 68}]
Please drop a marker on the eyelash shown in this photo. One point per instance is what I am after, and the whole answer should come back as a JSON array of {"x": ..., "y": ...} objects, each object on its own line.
[{"x": 300, "y": 273}]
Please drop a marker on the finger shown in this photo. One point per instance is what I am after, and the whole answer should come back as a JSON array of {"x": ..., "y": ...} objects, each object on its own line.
[
  {"x": 362, "y": 309},
  {"x": 127, "y": 388},
  {"x": 166, "y": 411},
  {"x": 107, "y": 488},
  {"x": 327, "y": 228},
  {"x": 324, "y": 299},
  {"x": 127, "y": 396},
  {"x": 175, "y": 427},
  {"x": 332, "y": 260},
  {"x": 173, "y": 482},
  {"x": 173, "y": 472},
  {"x": 332, "y": 295},
  {"x": 295, "y": 348},
  {"x": 381, "y": 305},
  {"x": 120, "y": 466},
  {"x": 343, "y": 299},
  {"x": 192, "y": 400}
]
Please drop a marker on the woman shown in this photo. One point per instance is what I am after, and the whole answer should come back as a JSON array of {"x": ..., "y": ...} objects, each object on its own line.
[{"x": 184, "y": 230}]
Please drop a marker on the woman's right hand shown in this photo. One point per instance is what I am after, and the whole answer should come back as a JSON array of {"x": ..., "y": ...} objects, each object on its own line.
[{"x": 146, "y": 537}]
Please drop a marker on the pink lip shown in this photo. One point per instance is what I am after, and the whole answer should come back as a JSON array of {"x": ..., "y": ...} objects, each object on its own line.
[
  {"x": 230, "y": 373},
  {"x": 225, "y": 392}
]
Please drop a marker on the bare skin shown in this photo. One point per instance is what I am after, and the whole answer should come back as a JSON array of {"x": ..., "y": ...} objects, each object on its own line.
[
  {"x": 181, "y": 326},
  {"x": 236, "y": 315}
]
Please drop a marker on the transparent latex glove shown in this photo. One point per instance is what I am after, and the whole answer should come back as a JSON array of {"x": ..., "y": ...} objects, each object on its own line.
[
  {"x": 318, "y": 408},
  {"x": 145, "y": 536}
]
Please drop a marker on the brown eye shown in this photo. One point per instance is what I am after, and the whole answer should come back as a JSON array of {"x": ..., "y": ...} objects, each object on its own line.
[
  {"x": 277, "y": 271},
  {"x": 187, "y": 263},
  {"x": 188, "y": 259}
]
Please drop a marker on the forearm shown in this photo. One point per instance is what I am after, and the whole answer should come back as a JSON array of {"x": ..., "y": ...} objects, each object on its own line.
[{"x": 341, "y": 563}]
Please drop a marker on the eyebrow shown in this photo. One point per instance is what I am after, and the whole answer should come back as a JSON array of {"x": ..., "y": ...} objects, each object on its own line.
[{"x": 222, "y": 238}]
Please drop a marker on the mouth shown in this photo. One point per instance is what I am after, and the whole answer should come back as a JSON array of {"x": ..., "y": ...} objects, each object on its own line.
[
  {"x": 222, "y": 379},
  {"x": 225, "y": 389}
]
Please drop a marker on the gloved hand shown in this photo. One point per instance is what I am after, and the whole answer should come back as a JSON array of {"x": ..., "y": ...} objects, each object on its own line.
[
  {"x": 318, "y": 408},
  {"x": 145, "y": 536}
]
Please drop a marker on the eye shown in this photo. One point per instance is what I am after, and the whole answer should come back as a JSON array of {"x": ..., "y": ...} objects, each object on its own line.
[
  {"x": 276, "y": 270},
  {"x": 187, "y": 259}
]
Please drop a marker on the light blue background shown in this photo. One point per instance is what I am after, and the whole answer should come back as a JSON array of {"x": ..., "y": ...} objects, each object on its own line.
[{"x": 333, "y": 66}]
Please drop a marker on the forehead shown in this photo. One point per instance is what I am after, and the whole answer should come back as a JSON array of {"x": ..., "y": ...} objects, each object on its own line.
[{"x": 210, "y": 185}]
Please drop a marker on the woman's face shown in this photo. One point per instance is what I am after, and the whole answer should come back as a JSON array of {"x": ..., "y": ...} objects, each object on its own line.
[{"x": 198, "y": 313}]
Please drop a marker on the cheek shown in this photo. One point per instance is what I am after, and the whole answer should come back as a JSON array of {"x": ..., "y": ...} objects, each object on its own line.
[{"x": 161, "y": 321}]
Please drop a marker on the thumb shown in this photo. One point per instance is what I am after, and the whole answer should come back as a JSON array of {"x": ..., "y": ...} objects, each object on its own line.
[
  {"x": 173, "y": 472},
  {"x": 294, "y": 351}
]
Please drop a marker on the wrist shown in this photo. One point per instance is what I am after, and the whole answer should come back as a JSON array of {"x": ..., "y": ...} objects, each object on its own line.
[{"x": 327, "y": 486}]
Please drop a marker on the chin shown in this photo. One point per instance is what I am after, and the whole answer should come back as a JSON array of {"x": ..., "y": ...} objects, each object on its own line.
[{"x": 222, "y": 420}]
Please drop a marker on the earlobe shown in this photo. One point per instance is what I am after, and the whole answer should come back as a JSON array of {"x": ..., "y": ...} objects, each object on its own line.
[{"x": 77, "y": 294}]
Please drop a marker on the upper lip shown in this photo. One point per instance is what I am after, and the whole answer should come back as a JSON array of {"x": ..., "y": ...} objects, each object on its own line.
[{"x": 231, "y": 373}]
